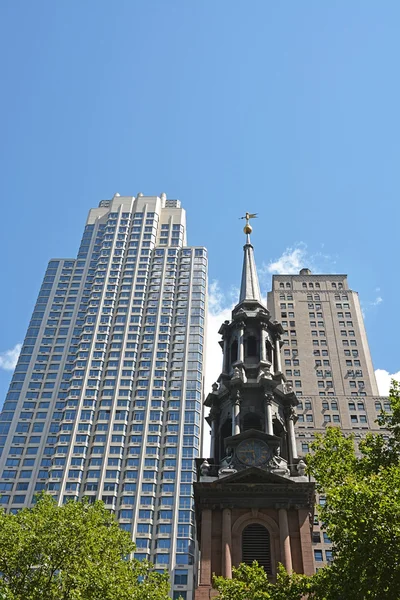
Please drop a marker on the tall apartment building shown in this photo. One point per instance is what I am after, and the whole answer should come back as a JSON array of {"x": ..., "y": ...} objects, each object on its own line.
[
  {"x": 326, "y": 358},
  {"x": 105, "y": 401}
]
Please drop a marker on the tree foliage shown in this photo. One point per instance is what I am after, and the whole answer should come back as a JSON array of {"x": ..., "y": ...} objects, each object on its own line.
[
  {"x": 250, "y": 582},
  {"x": 72, "y": 552},
  {"x": 361, "y": 513}
]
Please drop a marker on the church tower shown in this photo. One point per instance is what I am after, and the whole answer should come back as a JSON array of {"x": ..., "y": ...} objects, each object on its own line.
[{"x": 253, "y": 500}]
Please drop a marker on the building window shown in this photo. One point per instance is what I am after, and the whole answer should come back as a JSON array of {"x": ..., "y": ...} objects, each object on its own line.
[
  {"x": 318, "y": 556},
  {"x": 256, "y": 545},
  {"x": 181, "y": 577},
  {"x": 329, "y": 555}
]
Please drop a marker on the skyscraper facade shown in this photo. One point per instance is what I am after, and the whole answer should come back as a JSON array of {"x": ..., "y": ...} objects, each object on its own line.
[
  {"x": 105, "y": 401},
  {"x": 327, "y": 361}
]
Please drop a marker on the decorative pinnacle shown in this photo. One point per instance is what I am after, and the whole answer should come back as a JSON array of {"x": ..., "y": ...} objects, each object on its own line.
[
  {"x": 248, "y": 228},
  {"x": 250, "y": 287}
]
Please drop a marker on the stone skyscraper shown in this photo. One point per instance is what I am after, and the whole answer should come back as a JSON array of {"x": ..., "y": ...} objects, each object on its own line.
[
  {"x": 327, "y": 362},
  {"x": 105, "y": 401}
]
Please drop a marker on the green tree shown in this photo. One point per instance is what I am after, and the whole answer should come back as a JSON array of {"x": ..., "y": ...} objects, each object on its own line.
[
  {"x": 250, "y": 582},
  {"x": 361, "y": 513},
  {"x": 72, "y": 552}
]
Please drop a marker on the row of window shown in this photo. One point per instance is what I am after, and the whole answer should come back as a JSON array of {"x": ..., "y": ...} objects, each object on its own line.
[
  {"x": 310, "y": 285},
  {"x": 319, "y": 555}
]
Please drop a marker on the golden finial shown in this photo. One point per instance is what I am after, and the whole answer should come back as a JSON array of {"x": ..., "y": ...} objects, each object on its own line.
[{"x": 248, "y": 228}]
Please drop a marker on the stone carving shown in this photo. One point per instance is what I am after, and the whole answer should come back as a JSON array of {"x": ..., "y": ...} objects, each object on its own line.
[
  {"x": 269, "y": 398},
  {"x": 237, "y": 374},
  {"x": 205, "y": 467},
  {"x": 265, "y": 373},
  {"x": 236, "y": 398},
  {"x": 278, "y": 464},
  {"x": 276, "y": 459},
  {"x": 225, "y": 471},
  {"x": 301, "y": 468},
  {"x": 215, "y": 387}
]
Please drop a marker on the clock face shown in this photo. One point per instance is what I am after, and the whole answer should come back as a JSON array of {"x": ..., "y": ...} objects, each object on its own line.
[{"x": 253, "y": 452}]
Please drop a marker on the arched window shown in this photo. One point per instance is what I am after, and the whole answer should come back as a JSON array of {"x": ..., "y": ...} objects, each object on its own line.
[
  {"x": 256, "y": 545},
  {"x": 234, "y": 351},
  {"x": 251, "y": 346},
  {"x": 252, "y": 421}
]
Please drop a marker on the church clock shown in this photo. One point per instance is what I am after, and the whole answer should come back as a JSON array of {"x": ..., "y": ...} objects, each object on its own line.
[{"x": 253, "y": 453}]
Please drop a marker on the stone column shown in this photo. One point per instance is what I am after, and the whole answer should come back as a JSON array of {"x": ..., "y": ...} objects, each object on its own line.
[
  {"x": 306, "y": 542},
  {"x": 241, "y": 343},
  {"x": 273, "y": 361},
  {"x": 205, "y": 560},
  {"x": 286, "y": 554},
  {"x": 268, "y": 415},
  {"x": 225, "y": 361},
  {"x": 263, "y": 350},
  {"x": 292, "y": 438},
  {"x": 278, "y": 364},
  {"x": 213, "y": 433},
  {"x": 236, "y": 413},
  {"x": 226, "y": 543}
]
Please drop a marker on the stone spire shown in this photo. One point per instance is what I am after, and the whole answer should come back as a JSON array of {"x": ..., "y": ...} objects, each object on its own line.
[{"x": 250, "y": 287}]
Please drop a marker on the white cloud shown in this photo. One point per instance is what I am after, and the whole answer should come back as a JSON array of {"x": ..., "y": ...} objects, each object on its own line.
[
  {"x": 289, "y": 263},
  {"x": 298, "y": 257},
  {"x": 8, "y": 358},
  {"x": 377, "y": 301},
  {"x": 383, "y": 379},
  {"x": 365, "y": 306}
]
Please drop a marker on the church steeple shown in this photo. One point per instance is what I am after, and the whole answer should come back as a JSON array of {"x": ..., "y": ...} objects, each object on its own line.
[
  {"x": 251, "y": 382},
  {"x": 250, "y": 287},
  {"x": 253, "y": 484}
]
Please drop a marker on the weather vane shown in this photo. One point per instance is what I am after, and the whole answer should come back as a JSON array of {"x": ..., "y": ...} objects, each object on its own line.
[{"x": 248, "y": 228}]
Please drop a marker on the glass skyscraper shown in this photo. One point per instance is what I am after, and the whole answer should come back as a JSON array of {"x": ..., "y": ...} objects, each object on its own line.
[{"x": 106, "y": 399}]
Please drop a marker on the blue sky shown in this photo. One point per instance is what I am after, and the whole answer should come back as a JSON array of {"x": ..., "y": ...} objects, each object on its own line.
[{"x": 288, "y": 109}]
